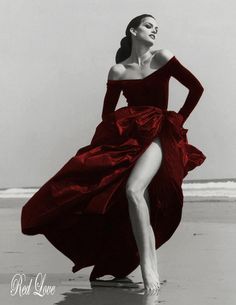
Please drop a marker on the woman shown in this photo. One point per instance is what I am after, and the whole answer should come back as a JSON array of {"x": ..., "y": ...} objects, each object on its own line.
[{"x": 120, "y": 198}]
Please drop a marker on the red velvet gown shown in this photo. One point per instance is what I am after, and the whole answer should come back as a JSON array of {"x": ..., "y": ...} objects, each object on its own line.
[{"x": 83, "y": 210}]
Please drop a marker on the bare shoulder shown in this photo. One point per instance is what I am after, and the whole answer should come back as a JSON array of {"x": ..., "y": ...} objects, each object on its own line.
[
  {"x": 116, "y": 71},
  {"x": 162, "y": 56}
]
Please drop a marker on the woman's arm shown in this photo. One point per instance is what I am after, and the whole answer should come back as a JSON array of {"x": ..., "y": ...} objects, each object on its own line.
[
  {"x": 113, "y": 90},
  {"x": 111, "y": 97},
  {"x": 185, "y": 77}
]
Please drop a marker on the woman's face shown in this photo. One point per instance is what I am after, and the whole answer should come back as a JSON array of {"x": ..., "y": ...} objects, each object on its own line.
[{"x": 147, "y": 30}]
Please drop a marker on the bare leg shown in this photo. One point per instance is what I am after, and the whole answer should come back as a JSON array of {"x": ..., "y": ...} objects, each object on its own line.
[
  {"x": 152, "y": 239},
  {"x": 140, "y": 177}
]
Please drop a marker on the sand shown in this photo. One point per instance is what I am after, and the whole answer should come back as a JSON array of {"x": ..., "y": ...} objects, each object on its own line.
[{"x": 196, "y": 266}]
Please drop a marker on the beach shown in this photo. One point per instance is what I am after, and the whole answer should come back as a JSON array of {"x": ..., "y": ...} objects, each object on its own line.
[{"x": 196, "y": 266}]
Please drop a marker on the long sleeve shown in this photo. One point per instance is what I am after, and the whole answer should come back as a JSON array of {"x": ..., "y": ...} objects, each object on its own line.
[
  {"x": 111, "y": 97},
  {"x": 184, "y": 76}
]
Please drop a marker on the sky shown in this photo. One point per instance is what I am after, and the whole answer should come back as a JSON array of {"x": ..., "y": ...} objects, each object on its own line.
[{"x": 55, "y": 56}]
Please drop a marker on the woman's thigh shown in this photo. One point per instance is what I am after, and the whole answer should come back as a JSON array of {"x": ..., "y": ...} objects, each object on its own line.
[{"x": 145, "y": 168}]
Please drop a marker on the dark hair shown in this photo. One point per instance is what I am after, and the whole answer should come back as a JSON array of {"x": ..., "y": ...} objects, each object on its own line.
[{"x": 126, "y": 42}]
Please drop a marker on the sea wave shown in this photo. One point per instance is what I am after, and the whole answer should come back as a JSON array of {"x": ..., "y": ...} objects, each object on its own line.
[
  {"x": 210, "y": 189},
  {"x": 17, "y": 192}
]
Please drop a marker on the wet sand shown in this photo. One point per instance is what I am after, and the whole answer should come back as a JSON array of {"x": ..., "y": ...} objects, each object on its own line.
[{"x": 196, "y": 266}]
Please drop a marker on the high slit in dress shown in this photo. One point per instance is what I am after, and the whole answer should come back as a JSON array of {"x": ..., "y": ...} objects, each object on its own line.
[{"x": 83, "y": 210}]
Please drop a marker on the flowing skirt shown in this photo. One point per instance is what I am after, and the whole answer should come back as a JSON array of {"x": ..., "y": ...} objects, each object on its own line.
[{"x": 83, "y": 210}]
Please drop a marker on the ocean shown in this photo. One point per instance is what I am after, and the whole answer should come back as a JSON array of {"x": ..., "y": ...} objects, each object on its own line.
[{"x": 193, "y": 190}]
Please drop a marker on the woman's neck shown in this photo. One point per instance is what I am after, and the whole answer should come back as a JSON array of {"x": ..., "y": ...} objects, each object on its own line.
[{"x": 140, "y": 54}]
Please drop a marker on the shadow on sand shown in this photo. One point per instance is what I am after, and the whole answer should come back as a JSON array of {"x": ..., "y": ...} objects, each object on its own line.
[{"x": 109, "y": 295}]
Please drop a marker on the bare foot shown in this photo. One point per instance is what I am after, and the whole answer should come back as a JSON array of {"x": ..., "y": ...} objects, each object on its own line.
[{"x": 150, "y": 279}]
